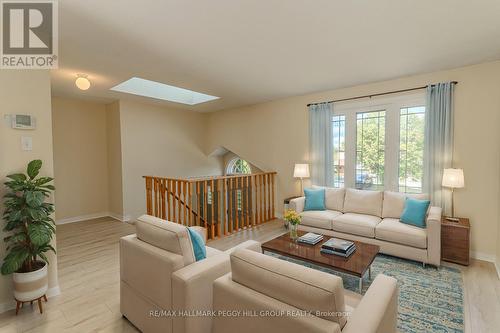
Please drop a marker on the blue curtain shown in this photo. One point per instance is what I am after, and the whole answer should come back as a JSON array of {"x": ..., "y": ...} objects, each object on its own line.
[
  {"x": 320, "y": 143},
  {"x": 438, "y": 149}
]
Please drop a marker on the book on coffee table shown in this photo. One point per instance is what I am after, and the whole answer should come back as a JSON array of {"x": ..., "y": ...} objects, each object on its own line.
[
  {"x": 339, "y": 253},
  {"x": 337, "y": 244},
  {"x": 310, "y": 238}
]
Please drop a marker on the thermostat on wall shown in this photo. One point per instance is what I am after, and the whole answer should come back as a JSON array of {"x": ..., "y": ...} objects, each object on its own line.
[{"x": 23, "y": 121}]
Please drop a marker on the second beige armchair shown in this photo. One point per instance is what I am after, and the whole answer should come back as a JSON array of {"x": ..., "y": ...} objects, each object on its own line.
[{"x": 266, "y": 294}]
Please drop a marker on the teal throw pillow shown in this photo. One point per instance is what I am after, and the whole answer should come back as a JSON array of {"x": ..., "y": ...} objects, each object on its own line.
[
  {"x": 315, "y": 199},
  {"x": 200, "y": 252},
  {"x": 415, "y": 212}
]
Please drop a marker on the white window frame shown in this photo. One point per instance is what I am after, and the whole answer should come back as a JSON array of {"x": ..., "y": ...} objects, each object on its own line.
[{"x": 392, "y": 105}]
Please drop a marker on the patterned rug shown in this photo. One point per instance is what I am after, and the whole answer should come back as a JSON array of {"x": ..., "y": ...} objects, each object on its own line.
[{"x": 430, "y": 299}]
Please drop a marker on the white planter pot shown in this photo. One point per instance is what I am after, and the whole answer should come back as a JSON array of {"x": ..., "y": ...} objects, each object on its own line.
[{"x": 32, "y": 285}]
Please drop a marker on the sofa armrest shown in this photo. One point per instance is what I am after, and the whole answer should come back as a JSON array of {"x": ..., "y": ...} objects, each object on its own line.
[
  {"x": 378, "y": 310},
  {"x": 297, "y": 204},
  {"x": 202, "y": 231},
  {"x": 192, "y": 290},
  {"x": 434, "y": 236},
  {"x": 249, "y": 245}
]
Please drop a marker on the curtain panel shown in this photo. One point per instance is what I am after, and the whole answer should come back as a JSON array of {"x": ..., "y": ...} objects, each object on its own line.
[
  {"x": 438, "y": 148},
  {"x": 320, "y": 143}
]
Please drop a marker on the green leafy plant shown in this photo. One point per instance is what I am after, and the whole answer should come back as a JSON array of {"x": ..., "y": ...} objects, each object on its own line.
[{"x": 27, "y": 219}]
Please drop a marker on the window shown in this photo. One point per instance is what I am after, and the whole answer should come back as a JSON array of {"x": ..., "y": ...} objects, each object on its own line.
[
  {"x": 338, "y": 137},
  {"x": 378, "y": 144},
  {"x": 238, "y": 166},
  {"x": 411, "y": 149},
  {"x": 234, "y": 167},
  {"x": 370, "y": 150}
]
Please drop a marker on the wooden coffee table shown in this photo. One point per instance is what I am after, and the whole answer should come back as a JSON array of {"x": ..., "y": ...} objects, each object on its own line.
[{"x": 356, "y": 265}]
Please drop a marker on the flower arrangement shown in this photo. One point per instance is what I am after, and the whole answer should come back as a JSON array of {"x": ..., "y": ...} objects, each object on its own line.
[{"x": 292, "y": 217}]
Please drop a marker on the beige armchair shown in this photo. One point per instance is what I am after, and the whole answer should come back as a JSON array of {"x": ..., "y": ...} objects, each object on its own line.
[
  {"x": 159, "y": 274},
  {"x": 266, "y": 294}
]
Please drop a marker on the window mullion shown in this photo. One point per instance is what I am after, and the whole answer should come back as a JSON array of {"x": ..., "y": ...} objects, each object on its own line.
[{"x": 392, "y": 148}]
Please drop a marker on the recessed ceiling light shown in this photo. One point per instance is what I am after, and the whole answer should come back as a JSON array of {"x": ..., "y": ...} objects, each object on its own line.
[
  {"x": 82, "y": 82},
  {"x": 147, "y": 88}
]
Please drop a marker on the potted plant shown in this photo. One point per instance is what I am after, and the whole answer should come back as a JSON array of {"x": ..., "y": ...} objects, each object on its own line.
[
  {"x": 30, "y": 229},
  {"x": 293, "y": 218}
]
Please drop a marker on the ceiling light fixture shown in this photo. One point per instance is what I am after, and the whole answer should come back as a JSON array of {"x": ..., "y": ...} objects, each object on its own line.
[{"x": 82, "y": 82}]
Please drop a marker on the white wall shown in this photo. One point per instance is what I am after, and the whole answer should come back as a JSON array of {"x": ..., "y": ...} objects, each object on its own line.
[
  {"x": 80, "y": 158},
  {"x": 158, "y": 141},
  {"x": 113, "y": 132},
  {"x": 274, "y": 136},
  {"x": 25, "y": 92}
]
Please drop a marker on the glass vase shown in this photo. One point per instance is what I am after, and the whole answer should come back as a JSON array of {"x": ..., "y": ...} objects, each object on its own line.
[{"x": 293, "y": 231}]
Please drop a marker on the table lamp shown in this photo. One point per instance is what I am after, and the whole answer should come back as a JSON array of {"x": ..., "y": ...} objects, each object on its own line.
[
  {"x": 301, "y": 171},
  {"x": 453, "y": 178}
]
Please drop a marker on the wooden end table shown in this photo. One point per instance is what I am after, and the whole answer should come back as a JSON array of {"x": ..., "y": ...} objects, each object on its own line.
[
  {"x": 357, "y": 264},
  {"x": 455, "y": 241}
]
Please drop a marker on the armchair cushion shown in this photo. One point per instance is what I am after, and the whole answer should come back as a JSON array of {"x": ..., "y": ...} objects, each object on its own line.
[
  {"x": 169, "y": 236},
  {"x": 296, "y": 285},
  {"x": 198, "y": 244}
]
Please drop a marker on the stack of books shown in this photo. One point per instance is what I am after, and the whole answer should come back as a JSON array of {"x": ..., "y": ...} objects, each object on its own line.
[
  {"x": 310, "y": 238},
  {"x": 340, "y": 247}
]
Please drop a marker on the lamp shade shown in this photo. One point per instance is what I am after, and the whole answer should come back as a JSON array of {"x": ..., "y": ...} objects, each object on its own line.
[
  {"x": 301, "y": 171},
  {"x": 453, "y": 178}
]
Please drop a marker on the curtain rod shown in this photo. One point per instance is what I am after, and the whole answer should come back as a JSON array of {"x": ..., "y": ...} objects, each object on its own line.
[{"x": 375, "y": 95}]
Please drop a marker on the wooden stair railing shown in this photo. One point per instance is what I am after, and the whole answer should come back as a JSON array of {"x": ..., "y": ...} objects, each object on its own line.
[{"x": 222, "y": 204}]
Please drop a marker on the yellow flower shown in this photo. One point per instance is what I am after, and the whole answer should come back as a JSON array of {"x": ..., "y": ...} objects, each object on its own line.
[{"x": 292, "y": 216}]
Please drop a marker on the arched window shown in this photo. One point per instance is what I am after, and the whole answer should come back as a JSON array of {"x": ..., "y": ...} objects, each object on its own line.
[{"x": 237, "y": 166}]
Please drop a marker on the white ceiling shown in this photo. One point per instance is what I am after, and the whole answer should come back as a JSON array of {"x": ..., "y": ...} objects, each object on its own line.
[{"x": 250, "y": 51}]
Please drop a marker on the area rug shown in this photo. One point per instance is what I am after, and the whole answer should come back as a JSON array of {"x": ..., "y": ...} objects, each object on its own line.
[{"x": 430, "y": 299}]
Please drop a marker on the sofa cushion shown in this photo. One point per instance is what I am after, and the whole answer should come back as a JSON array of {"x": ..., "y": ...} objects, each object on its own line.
[
  {"x": 315, "y": 199},
  {"x": 319, "y": 218},
  {"x": 363, "y": 202},
  {"x": 394, "y": 203},
  {"x": 415, "y": 212},
  {"x": 356, "y": 224},
  {"x": 169, "y": 236},
  {"x": 299, "y": 286},
  {"x": 392, "y": 230},
  {"x": 334, "y": 198}
]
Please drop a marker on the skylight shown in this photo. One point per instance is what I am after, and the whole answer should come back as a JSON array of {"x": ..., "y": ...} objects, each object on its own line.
[{"x": 147, "y": 88}]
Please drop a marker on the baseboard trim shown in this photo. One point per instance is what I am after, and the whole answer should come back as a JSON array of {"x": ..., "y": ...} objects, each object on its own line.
[
  {"x": 483, "y": 256},
  {"x": 11, "y": 305},
  {"x": 121, "y": 218},
  {"x": 54, "y": 291},
  {"x": 82, "y": 218},
  {"x": 497, "y": 267},
  {"x": 4, "y": 307}
]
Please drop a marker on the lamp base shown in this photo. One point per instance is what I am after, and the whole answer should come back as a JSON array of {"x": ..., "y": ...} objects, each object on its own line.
[{"x": 452, "y": 219}]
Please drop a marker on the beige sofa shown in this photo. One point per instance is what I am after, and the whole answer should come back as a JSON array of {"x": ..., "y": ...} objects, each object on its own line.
[
  {"x": 373, "y": 217},
  {"x": 266, "y": 294},
  {"x": 159, "y": 273}
]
